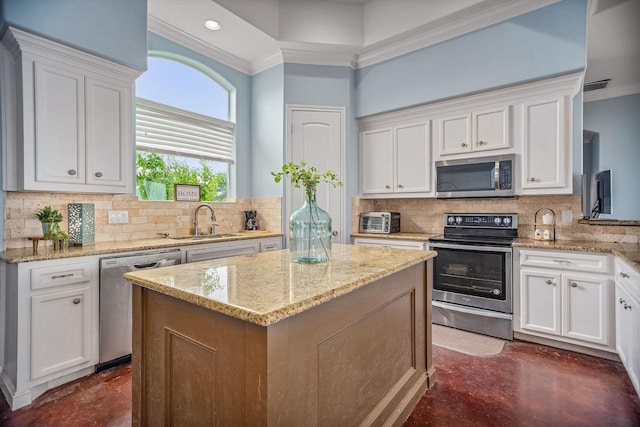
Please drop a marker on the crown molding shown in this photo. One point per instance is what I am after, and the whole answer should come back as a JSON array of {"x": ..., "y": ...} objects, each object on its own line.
[
  {"x": 163, "y": 29},
  {"x": 311, "y": 57},
  {"x": 612, "y": 92},
  {"x": 482, "y": 17}
]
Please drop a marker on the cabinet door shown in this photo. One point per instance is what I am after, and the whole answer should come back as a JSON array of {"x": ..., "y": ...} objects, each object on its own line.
[
  {"x": 586, "y": 312},
  {"x": 627, "y": 314},
  {"x": 59, "y": 126},
  {"x": 60, "y": 331},
  {"x": 109, "y": 134},
  {"x": 413, "y": 158},
  {"x": 454, "y": 134},
  {"x": 540, "y": 304},
  {"x": 491, "y": 129},
  {"x": 376, "y": 165},
  {"x": 546, "y": 162}
]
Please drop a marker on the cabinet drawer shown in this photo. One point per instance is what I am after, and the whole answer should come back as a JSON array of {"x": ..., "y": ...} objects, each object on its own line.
[
  {"x": 67, "y": 274},
  {"x": 270, "y": 246},
  {"x": 628, "y": 277},
  {"x": 587, "y": 263}
]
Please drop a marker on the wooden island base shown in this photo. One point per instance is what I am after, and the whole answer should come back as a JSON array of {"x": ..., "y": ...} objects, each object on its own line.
[{"x": 363, "y": 358}]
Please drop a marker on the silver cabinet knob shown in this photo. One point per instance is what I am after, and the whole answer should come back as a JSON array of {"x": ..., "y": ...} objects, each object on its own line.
[
  {"x": 76, "y": 300},
  {"x": 481, "y": 142},
  {"x": 464, "y": 145},
  {"x": 400, "y": 186},
  {"x": 549, "y": 282},
  {"x": 334, "y": 234},
  {"x": 388, "y": 187},
  {"x": 71, "y": 172},
  {"x": 98, "y": 174},
  {"x": 574, "y": 285},
  {"x": 532, "y": 180}
]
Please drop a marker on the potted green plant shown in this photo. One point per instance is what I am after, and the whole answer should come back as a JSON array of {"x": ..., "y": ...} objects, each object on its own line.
[
  {"x": 50, "y": 219},
  {"x": 309, "y": 226}
]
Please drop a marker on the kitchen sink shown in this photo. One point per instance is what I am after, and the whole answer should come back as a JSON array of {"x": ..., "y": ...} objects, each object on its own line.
[{"x": 204, "y": 237}]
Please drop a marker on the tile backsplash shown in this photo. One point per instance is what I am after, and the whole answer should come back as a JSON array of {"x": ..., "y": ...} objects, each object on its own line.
[
  {"x": 146, "y": 219},
  {"x": 425, "y": 215}
]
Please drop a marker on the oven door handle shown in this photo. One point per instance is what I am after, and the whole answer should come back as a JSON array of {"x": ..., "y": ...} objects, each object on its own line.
[
  {"x": 435, "y": 246},
  {"x": 471, "y": 310}
]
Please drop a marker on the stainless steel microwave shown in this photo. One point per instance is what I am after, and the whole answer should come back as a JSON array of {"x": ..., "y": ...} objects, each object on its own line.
[
  {"x": 477, "y": 177},
  {"x": 380, "y": 222}
]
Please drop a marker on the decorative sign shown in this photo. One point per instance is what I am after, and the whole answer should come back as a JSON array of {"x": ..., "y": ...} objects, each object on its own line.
[{"x": 186, "y": 192}]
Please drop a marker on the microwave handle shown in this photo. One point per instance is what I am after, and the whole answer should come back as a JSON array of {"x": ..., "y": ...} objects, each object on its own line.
[{"x": 496, "y": 175}]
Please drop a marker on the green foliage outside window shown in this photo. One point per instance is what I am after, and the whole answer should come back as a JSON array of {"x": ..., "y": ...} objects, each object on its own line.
[{"x": 157, "y": 173}]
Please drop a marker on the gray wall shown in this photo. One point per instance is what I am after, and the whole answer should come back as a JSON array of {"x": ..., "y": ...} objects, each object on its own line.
[{"x": 617, "y": 147}]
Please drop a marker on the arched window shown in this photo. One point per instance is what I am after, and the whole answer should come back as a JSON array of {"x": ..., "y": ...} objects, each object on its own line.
[{"x": 183, "y": 130}]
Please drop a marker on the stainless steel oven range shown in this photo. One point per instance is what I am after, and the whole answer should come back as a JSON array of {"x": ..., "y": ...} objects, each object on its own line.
[{"x": 472, "y": 283}]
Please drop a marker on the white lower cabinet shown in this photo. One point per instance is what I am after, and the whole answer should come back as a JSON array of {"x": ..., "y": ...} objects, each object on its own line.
[
  {"x": 50, "y": 325},
  {"x": 390, "y": 243},
  {"x": 564, "y": 301},
  {"x": 627, "y": 308}
]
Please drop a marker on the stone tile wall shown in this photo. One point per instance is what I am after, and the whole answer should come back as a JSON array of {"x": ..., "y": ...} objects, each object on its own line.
[
  {"x": 426, "y": 215},
  {"x": 146, "y": 218}
]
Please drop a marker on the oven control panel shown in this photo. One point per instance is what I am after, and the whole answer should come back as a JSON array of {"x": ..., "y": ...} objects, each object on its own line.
[{"x": 481, "y": 220}]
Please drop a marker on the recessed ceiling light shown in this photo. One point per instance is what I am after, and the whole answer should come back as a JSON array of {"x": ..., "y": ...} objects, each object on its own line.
[{"x": 212, "y": 25}]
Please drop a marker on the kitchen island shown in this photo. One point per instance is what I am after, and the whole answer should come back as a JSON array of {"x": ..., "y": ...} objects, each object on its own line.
[{"x": 261, "y": 340}]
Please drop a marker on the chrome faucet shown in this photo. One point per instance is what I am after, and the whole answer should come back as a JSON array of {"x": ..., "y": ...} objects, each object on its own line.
[{"x": 195, "y": 219}]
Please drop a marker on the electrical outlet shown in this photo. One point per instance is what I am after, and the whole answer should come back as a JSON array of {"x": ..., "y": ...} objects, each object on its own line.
[
  {"x": 118, "y": 217},
  {"x": 567, "y": 217}
]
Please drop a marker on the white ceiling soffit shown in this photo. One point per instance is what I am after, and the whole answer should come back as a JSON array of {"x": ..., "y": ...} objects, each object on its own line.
[
  {"x": 257, "y": 34},
  {"x": 613, "y": 48}
]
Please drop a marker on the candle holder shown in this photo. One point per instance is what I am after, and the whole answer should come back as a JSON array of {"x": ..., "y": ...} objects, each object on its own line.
[{"x": 81, "y": 224}]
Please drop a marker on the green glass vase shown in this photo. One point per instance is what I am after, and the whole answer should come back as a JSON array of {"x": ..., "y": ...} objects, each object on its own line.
[{"x": 310, "y": 232}]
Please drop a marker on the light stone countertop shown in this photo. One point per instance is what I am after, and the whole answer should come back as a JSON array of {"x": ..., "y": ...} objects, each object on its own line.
[
  {"x": 45, "y": 252},
  {"x": 267, "y": 287}
]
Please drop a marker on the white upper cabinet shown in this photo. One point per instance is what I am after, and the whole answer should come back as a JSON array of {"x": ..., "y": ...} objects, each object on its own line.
[
  {"x": 396, "y": 160},
  {"x": 67, "y": 119},
  {"x": 474, "y": 131},
  {"x": 546, "y": 147}
]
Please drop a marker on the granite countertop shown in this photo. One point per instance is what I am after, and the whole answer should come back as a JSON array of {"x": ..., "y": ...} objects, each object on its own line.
[
  {"x": 44, "y": 252},
  {"x": 629, "y": 252},
  {"x": 267, "y": 287}
]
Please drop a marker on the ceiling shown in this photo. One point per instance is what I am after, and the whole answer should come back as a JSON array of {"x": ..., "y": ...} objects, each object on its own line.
[{"x": 257, "y": 34}]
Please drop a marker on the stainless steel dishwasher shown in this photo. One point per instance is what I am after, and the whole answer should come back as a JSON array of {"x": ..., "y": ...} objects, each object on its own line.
[{"x": 115, "y": 301}]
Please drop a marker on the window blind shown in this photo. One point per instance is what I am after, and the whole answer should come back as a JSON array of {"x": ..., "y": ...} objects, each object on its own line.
[{"x": 164, "y": 129}]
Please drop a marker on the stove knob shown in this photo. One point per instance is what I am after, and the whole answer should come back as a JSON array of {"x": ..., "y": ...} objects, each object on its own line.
[
  {"x": 497, "y": 220},
  {"x": 459, "y": 219},
  {"x": 450, "y": 219},
  {"x": 507, "y": 220}
]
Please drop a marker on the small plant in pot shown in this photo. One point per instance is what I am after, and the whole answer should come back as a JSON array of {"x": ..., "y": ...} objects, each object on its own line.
[{"x": 50, "y": 219}]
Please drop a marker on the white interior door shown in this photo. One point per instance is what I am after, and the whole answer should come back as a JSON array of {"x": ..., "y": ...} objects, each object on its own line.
[{"x": 316, "y": 135}]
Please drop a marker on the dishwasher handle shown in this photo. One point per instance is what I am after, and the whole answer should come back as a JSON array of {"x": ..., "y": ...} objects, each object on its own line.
[{"x": 159, "y": 263}]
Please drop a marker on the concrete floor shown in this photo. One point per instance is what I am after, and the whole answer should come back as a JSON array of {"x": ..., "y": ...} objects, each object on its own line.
[{"x": 526, "y": 385}]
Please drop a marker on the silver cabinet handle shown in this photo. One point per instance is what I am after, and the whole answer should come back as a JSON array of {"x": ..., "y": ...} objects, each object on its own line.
[
  {"x": 532, "y": 180},
  {"x": 387, "y": 187},
  {"x": 481, "y": 142},
  {"x": 335, "y": 233},
  {"x": 72, "y": 172},
  {"x": 574, "y": 285},
  {"x": 627, "y": 306},
  {"x": 464, "y": 145},
  {"x": 61, "y": 276},
  {"x": 622, "y": 301},
  {"x": 76, "y": 300},
  {"x": 562, "y": 261},
  {"x": 625, "y": 275},
  {"x": 98, "y": 174},
  {"x": 549, "y": 282},
  {"x": 400, "y": 186}
]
